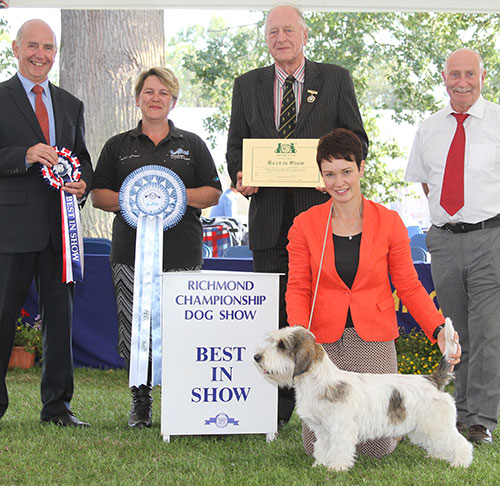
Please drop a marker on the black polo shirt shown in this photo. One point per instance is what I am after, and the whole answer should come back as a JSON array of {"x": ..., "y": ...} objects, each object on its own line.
[{"x": 188, "y": 156}]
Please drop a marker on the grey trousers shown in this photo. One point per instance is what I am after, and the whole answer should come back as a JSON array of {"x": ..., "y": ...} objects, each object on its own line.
[{"x": 466, "y": 274}]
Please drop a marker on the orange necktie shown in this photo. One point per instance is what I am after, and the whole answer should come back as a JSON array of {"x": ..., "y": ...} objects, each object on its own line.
[
  {"x": 452, "y": 192},
  {"x": 41, "y": 112}
]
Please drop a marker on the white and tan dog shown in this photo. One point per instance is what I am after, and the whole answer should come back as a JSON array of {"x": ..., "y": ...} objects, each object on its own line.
[{"x": 344, "y": 408}]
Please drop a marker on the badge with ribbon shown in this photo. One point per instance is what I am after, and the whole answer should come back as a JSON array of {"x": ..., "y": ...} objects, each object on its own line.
[
  {"x": 67, "y": 170},
  {"x": 152, "y": 199}
]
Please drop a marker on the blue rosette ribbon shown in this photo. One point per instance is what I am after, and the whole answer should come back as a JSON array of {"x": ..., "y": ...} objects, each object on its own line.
[
  {"x": 67, "y": 170},
  {"x": 152, "y": 199}
]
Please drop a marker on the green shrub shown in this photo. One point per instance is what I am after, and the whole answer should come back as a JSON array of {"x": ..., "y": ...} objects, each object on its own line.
[{"x": 416, "y": 354}]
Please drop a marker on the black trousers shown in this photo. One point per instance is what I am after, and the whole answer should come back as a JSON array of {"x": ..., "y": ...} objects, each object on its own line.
[
  {"x": 55, "y": 302},
  {"x": 275, "y": 260}
]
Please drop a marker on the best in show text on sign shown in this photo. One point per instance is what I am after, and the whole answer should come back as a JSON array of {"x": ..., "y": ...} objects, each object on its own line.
[{"x": 213, "y": 322}]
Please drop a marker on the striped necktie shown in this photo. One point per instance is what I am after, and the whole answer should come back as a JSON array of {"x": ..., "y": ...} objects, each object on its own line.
[{"x": 288, "y": 113}]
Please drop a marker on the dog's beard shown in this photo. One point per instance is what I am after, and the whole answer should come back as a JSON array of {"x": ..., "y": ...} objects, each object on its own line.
[{"x": 276, "y": 371}]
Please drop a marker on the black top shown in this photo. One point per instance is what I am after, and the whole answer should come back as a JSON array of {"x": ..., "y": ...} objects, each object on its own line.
[
  {"x": 183, "y": 152},
  {"x": 346, "y": 262}
]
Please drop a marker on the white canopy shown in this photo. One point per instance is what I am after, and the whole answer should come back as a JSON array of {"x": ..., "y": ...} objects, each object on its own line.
[{"x": 491, "y": 6}]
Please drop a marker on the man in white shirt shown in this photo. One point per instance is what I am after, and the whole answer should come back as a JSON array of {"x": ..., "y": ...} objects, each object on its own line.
[{"x": 464, "y": 239}]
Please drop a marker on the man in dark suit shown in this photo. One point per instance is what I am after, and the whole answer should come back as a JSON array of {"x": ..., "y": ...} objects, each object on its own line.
[
  {"x": 325, "y": 100},
  {"x": 30, "y": 214}
]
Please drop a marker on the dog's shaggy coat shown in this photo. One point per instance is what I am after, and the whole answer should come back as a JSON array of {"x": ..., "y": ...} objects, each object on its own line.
[{"x": 344, "y": 408}]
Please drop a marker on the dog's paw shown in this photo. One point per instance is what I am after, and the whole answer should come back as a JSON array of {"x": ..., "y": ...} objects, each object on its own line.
[
  {"x": 333, "y": 467},
  {"x": 338, "y": 467}
]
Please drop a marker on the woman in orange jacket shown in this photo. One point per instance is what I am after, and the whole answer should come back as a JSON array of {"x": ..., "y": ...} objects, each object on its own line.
[{"x": 341, "y": 256}]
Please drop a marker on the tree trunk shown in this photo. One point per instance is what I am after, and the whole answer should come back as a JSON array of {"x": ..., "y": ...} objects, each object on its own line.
[{"x": 102, "y": 52}]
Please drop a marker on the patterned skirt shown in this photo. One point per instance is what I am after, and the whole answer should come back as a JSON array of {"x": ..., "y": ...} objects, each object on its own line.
[
  {"x": 123, "y": 281},
  {"x": 351, "y": 353}
]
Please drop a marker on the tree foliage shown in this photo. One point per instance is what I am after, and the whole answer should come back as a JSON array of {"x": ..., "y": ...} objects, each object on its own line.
[
  {"x": 395, "y": 60},
  {"x": 7, "y": 60}
]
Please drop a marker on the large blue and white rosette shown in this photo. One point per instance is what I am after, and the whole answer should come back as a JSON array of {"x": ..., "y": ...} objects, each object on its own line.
[{"x": 152, "y": 199}]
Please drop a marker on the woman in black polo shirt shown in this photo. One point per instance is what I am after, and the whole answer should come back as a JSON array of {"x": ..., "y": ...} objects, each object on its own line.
[{"x": 155, "y": 141}]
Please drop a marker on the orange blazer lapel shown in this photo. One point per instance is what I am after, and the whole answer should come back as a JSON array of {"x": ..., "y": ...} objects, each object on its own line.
[{"x": 367, "y": 241}]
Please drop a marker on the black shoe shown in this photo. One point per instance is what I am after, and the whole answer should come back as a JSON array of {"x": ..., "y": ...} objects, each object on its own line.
[
  {"x": 65, "y": 419},
  {"x": 462, "y": 427},
  {"x": 479, "y": 434},
  {"x": 140, "y": 411}
]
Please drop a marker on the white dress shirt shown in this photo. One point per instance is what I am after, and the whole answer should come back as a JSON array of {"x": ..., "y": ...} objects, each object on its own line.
[{"x": 482, "y": 161}]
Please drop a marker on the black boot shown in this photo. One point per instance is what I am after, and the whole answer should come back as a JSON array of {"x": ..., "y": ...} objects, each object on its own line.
[{"x": 140, "y": 411}]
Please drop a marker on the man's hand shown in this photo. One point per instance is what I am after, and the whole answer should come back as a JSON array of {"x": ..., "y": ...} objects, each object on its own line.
[
  {"x": 245, "y": 190},
  {"x": 76, "y": 188},
  {"x": 43, "y": 153}
]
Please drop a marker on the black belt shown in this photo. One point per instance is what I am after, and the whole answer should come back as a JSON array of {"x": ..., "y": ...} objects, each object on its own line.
[{"x": 466, "y": 227}]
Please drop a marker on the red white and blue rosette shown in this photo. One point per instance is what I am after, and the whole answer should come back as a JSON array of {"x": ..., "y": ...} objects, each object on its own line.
[
  {"x": 67, "y": 169},
  {"x": 152, "y": 199}
]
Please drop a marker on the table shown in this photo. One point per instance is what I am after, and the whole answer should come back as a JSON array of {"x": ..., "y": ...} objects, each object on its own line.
[{"x": 95, "y": 326}]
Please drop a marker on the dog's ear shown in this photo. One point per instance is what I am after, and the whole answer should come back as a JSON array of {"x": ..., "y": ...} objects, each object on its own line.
[
  {"x": 303, "y": 360},
  {"x": 304, "y": 352}
]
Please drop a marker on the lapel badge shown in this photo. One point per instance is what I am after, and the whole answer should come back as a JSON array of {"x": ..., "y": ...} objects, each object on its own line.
[{"x": 311, "y": 98}]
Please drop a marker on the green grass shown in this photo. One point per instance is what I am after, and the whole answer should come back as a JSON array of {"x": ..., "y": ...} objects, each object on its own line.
[{"x": 109, "y": 453}]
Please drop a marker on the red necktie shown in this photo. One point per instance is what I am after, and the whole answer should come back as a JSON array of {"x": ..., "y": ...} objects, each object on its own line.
[
  {"x": 41, "y": 112},
  {"x": 452, "y": 192}
]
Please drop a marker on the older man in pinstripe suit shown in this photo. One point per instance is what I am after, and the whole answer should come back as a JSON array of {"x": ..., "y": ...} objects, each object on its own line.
[{"x": 324, "y": 100}]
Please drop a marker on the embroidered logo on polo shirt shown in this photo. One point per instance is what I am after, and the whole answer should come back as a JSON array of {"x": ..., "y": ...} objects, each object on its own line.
[{"x": 180, "y": 154}]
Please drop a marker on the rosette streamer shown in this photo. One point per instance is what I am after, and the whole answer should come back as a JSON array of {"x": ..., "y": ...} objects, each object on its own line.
[
  {"x": 152, "y": 199},
  {"x": 67, "y": 170}
]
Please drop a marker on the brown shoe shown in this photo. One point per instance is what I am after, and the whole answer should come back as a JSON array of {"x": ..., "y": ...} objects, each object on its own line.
[
  {"x": 479, "y": 434},
  {"x": 462, "y": 427}
]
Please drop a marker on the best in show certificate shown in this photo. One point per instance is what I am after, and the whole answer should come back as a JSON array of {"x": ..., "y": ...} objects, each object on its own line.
[{"x": 280, "y": 162}]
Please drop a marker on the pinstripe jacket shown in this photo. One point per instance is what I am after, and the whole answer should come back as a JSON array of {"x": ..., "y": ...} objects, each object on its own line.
[{"x": 252, "y": 116}]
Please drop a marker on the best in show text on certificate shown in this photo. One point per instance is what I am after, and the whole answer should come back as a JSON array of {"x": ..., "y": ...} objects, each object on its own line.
[{"x": 280, "y": 162}]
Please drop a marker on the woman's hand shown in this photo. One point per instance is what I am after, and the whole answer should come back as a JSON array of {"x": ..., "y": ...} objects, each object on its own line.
[{"x": 454, "y": 358}]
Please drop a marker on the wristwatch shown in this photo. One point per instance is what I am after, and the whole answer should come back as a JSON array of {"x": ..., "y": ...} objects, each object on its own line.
[{"x": 437, "y": 331}]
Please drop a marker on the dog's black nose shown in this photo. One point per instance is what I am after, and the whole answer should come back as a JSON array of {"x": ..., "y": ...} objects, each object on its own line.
[{"x": 257, "y": 357}]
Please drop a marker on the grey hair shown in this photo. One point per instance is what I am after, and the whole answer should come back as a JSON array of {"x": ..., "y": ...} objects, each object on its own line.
[
  {"x": 297, "y": 9},
  {"x": 20, "y": 32},
  {"x": 481, "y": 63}
]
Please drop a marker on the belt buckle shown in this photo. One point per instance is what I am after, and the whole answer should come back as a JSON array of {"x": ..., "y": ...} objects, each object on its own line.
[
  {"x": 449, "y": 227},
  {"x": 455, "y": 227}
]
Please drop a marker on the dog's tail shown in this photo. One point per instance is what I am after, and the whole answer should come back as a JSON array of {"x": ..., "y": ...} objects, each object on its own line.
[
  {"x": 449, "y": 335},
  {"x": 442, "y": 375}
]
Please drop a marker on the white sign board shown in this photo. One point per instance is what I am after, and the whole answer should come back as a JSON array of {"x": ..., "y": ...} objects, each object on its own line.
[{"x": 213, "y": 322}]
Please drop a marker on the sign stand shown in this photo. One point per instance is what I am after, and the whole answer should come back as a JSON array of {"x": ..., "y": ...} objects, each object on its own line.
[{"x": 213, "y": 322}]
